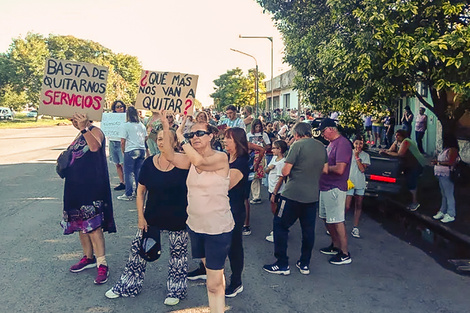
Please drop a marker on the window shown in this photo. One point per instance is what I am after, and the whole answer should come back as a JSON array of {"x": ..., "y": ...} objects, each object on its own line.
[{"x": 287, "y": 101}]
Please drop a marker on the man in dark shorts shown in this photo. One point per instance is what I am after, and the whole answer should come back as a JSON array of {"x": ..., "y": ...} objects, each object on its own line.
[{"x": 305, "y": 162}]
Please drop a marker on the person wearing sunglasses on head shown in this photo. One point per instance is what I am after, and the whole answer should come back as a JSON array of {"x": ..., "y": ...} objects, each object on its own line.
[
  {"x": 210, "y": 221},
  {"x": 115, "y": 153}
]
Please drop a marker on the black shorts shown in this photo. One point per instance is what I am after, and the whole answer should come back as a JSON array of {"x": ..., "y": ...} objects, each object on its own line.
[{"x": 368, "y": 128}]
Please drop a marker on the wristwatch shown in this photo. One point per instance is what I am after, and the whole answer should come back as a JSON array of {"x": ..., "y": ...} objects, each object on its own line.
[
  {"x": 84, "y": 130},
  {"x": 184, "y": 141}
]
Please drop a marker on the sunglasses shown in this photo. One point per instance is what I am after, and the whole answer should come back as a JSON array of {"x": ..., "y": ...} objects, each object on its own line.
[
  {"x": 119, "y": 106},
  {"x": 198, "y": 133}
]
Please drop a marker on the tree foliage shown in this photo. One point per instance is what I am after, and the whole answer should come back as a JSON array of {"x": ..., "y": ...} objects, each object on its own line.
[
  {"x": 233, "y": 87},
  {"x": 364, "y": 54},
  {"x": 22, "y": 66}
]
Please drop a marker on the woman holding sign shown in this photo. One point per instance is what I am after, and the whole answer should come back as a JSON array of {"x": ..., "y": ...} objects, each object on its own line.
[
  {"x": 164, "y": 187},
  {"x": 210, "y": 221},
  {"x": 88, "y": 208}
]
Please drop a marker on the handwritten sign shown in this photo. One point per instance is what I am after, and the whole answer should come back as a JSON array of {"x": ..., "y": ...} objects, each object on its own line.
[
  {"x": 69, "y": 87},
  {"x": 173, "y": 92},
  {"x": 111, "y": 124}
]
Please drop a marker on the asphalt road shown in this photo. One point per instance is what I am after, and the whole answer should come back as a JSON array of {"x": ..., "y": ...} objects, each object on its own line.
[{"x": 386, "y": 275}]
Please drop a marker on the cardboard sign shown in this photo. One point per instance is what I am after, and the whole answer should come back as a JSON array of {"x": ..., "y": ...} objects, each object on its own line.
[
  {"x": 173, "y": 92},
  {"x": 111, "y": 124},
  {"x": 73, "y": 87}
]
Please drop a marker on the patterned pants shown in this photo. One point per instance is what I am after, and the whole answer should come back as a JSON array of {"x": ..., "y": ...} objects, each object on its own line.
[{"x": 132, "y": 279}]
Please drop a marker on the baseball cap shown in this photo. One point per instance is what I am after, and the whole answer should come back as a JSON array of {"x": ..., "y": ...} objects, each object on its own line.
[{"x": 327, "y": 122}]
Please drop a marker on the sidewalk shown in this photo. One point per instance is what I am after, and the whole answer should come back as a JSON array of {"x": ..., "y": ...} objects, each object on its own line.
[{"x": 455, "y": 235}]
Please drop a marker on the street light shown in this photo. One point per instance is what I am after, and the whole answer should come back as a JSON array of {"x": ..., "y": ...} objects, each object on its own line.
[
  {"x": 272, "y": 53},
  {"x": 256, "y": 75}
]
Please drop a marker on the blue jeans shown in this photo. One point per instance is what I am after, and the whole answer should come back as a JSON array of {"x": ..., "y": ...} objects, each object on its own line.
[
  {"x": 287, "y": 214},
  {"x": 132, "y": 163},
  {"x": 419, "y": 140},
  {"x": 447, "y": 193}
]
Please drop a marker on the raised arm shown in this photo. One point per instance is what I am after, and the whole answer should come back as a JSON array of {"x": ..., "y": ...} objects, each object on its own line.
[
  {"x": 93, "y": 137},
  {"x": 177, "y": 159},
  {"x": 213, "y": 162}
]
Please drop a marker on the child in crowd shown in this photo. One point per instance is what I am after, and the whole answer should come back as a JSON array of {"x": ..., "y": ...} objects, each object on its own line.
[
  {"x": 360, "y": 161},
  {"x": 275, "y": 178}
]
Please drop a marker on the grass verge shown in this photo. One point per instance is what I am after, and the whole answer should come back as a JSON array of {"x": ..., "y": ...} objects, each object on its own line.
[{"x": 21, "y": 121}]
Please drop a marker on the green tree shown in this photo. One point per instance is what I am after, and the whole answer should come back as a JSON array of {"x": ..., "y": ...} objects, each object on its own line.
[
  {"x": 364, "y": 54},
  {"x": 12, "y": 99},
  {"x": 25, "y": 60},
  {"x": 197, "y": 104},
  {"x": 251, "y": 88},
  {"x": 235, "y": 88}
]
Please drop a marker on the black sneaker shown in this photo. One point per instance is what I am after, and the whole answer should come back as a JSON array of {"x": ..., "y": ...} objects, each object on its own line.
[
  {"x": 341, "y": 259},
  {"x": 121, "y": 186},
  {"x": 302, "y": 268},
  {"x": 413, "y": 207},
  {"x": 330, "y": 250},
  {"x": 276, "y": 269},
  {"x": 231, "y": 291},
  {"x": 199, "y": 273},
  {"x": 246, "y": 230}
]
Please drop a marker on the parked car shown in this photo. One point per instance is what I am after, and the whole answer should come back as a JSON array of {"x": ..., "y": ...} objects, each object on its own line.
[
  {"x": 32, "y": 113},
  {"x": 384, "y": 175},
  {"x": 6, "y": 113}
]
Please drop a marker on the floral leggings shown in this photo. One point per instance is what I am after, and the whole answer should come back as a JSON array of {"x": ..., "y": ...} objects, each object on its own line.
[{"x": 132, "y": 279}]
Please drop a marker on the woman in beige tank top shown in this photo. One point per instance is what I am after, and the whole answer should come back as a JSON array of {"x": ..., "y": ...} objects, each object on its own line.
[{"x": 210, "y": 220}]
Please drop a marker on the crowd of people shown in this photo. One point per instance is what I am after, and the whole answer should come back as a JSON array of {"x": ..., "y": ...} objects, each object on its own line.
[{"x": 196, "y": 178}]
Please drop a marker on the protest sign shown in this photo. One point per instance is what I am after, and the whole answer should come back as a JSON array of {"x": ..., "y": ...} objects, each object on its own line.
[
  {"x": 173, "y": 92},
  {"x": 73, "y": 87},
  {"x": 111, "y": 124}
]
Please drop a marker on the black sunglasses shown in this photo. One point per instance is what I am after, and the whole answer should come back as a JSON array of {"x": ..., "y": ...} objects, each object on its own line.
[{"x": 198, "y": 133}]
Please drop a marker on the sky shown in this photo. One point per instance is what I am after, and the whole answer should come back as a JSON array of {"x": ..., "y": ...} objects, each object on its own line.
[{"x": 187, "y": 36}]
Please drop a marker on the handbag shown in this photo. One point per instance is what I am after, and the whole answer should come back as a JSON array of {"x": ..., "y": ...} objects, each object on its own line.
[
  {"x": 150, "y": 247},
  {"x": 63, "y": 162},
  {"x": 460, "y": 173}
]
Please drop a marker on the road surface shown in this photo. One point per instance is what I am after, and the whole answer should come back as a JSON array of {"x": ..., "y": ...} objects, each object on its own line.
[{"x": 386, "y": 275}]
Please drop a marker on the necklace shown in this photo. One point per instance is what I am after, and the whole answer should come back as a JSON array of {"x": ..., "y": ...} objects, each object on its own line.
[{"x": 158, "y": 161}]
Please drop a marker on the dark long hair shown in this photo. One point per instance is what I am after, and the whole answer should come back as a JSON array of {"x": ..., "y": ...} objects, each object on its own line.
[
  {"x": 239, "y": 137},
  {"x": 403, "y": 133},
  {"x": 113, "y": 106},
  {"x": 255, "y": 122},
  {"x": 132, "y": 115}
]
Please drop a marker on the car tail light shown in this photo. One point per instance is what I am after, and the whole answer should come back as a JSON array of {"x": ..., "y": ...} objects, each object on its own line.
[{"x": 383, "y": 178}]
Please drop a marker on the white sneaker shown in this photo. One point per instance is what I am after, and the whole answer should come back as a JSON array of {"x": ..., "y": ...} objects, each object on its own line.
[
  {"x": 171, "y": 301},
  {"x": 270, "y": 237},
  {"x": 111, "y": 295},
  {"x": 447, "y": 218},
  {"x": 355, "y": 232},
  {"x": 438, "y": 216},
  {"x": 125, "y": 198}
]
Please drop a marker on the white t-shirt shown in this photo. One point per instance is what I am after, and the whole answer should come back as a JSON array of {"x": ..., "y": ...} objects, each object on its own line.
[
  {"x": 135, "y": 134},
  {"x": 355, "y": 175},
  {"x": 283, "y": 130},
  {"x": 275, "y": 173},
  {"x": 258, "y": 139}
]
